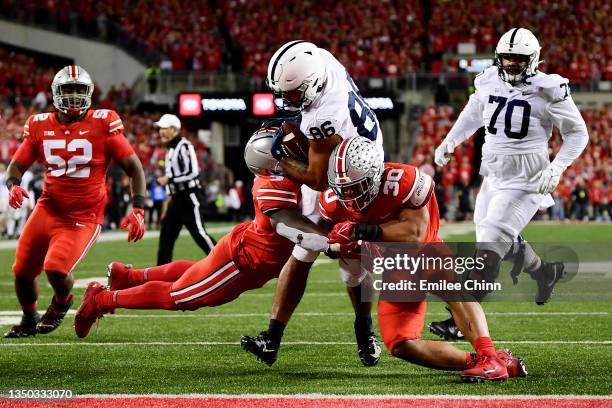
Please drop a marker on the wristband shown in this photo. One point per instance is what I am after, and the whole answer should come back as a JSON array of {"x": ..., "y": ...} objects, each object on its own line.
[
  {"x": 138, "y": 202},
  {"x": 12, "y": 181},
  {"x": 367, "y": 232}
]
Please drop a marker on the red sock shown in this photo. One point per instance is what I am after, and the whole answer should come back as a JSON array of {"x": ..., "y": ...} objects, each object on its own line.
[
  {"x": 170, "y": 272},
  {"x": 29, "y": 308},
  {"x": 484, "y": 346},
  {"x": 151, "y": 295},
  {"x": 62, "y": 300}
]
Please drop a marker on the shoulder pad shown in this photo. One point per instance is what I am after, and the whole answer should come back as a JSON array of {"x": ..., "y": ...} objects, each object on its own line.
[
  {"x": 554, "y": 86},
  {"x": 485, "y": 76},
  {"x": 111, "y": 120}
]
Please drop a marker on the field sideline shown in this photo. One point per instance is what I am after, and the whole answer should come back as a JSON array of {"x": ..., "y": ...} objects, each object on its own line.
[{"x": 566, "y": 345}]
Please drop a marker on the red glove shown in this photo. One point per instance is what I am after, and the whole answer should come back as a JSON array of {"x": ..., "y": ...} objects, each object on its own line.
[
  {"x": 342, "y": 232},
  {"x": 136, "y": 224},
  {"x": 16, "y": 196}
]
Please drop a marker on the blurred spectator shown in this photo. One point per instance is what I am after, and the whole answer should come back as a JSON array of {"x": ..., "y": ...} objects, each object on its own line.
[{"x": 580, "y": 200}]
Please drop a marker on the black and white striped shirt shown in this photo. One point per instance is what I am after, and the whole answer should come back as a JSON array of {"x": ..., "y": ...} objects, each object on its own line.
[{"x": 181, "y": 162}]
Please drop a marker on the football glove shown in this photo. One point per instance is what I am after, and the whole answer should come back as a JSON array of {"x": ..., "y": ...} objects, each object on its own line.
[
  {"x": 443, "y": 152},
  {"x": 135, "y": 222},
  {"x": 342, "y": 233},
  {"x": 549, "y": 178},
  {"x": 277, "y": 150},
  {"x": 16, "y": 196}
]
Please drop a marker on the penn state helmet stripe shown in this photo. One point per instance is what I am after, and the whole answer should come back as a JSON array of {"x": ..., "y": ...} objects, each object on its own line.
[{"x": 280, "y": 54}]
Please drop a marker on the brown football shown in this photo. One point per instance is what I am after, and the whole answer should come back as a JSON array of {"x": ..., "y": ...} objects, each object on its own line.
[{"x": 295, "y": 144}]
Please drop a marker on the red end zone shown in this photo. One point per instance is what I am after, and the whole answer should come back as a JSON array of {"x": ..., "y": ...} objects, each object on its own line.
[{"x": 319, "y": 401}]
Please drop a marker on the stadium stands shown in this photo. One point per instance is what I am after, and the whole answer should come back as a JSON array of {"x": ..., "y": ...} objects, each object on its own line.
[{"x": 371, "y": 38}]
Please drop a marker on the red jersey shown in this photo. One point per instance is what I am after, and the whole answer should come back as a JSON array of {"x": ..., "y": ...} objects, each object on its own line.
[
  {"x": 258, "y": 239},
  {"x": 402, "y": 186},
  {"x": 76, "y": 156}
]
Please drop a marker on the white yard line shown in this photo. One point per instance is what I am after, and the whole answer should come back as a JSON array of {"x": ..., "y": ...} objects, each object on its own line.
[{"x": 288, "y": 343}]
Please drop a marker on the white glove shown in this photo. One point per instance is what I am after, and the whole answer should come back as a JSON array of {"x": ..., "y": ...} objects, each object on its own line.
[
  {"x": 549, "y": 178},
  {"x": 443, "y": 152}
]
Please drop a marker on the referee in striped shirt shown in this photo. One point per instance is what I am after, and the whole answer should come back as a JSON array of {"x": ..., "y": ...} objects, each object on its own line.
[{"x": 186, "y": 206}]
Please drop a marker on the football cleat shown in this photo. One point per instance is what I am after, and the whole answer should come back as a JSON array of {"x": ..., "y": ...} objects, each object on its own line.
[
  {"x": 368, "y": 349},
  {"x": 261, "y": 346},
  {"x": 487, "y": 369},
  {"x": 514, "y": 365},
  {"x": 118, "y": 275},
  {"x": 88, "y": 312},
  {"x": 26, "y": 328},
  {"x": 547, "y": 277},
  {"x": 54, "y": 316},
  {"x": 447, "y": 329}
]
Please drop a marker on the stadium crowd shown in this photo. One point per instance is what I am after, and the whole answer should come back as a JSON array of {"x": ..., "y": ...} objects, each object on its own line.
[{"x": 371, "y": 38}]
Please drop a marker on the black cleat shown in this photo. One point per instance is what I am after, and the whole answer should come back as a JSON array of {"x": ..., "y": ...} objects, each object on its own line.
[
  {"x": 261, "y": 346},
  {"x": 547, "y": 277},
  {"x": 26, "y": 328},
  {"x": 368, "y": 349},
  {"x": 447, "y": 329},
  {"x": 54, "y": 316}
]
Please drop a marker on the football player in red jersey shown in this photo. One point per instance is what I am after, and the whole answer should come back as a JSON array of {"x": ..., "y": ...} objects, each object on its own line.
[
  {"x": 253, "y": 253},
  {"x": 76, "y": 145},
  {"x": 390, "y": 202}
]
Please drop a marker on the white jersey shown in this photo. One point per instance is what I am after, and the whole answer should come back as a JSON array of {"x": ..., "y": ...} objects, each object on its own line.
[
  {"x": 518, "y": 122},
  {"x": 518, "y": 119},
  {"x": 340, "y": 109}
]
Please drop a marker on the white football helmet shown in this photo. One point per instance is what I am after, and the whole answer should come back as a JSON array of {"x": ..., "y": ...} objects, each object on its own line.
[
  {"x": 72, "y": 88},
  {"x": 297, "y": 66},
  {"x": 257, "y": 154},
  {"x": 355, "y": 172},
  {"x": 518, "y": 41}
]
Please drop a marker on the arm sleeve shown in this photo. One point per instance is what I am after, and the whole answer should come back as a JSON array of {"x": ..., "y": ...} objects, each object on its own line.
[
  {"x": 27, "y": 153},
  {"x": 274, "y": 196},
  {"x": 419, "y": 192},
  {"x": 469, "y": 121},
  {"x": 567, "y": 118}
]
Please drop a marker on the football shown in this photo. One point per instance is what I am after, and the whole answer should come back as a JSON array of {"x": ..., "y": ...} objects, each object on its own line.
[{"x": 295, "y": 143}]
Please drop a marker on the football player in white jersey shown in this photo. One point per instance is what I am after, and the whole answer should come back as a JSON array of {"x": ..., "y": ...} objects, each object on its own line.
[
  {"x": 518, "y": 106},
  {"x": 312, "y": 81}
]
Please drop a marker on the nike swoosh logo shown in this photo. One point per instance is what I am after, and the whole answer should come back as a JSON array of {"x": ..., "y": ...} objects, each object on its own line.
[
  {"x": 82, "y": 132},
  {"x": 491, "y": 371},
  {"x": 78, "y": 224}
]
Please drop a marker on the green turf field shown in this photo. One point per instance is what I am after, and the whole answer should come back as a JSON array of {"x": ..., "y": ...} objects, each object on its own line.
[{"x": 566, "y": 345}]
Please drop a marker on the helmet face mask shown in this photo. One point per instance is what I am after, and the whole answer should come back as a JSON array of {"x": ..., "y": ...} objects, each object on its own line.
[
  {"x": 514, "y": 66},
  {"x": 356, "y": 196},
  {"x": 72, "y": 89}
]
